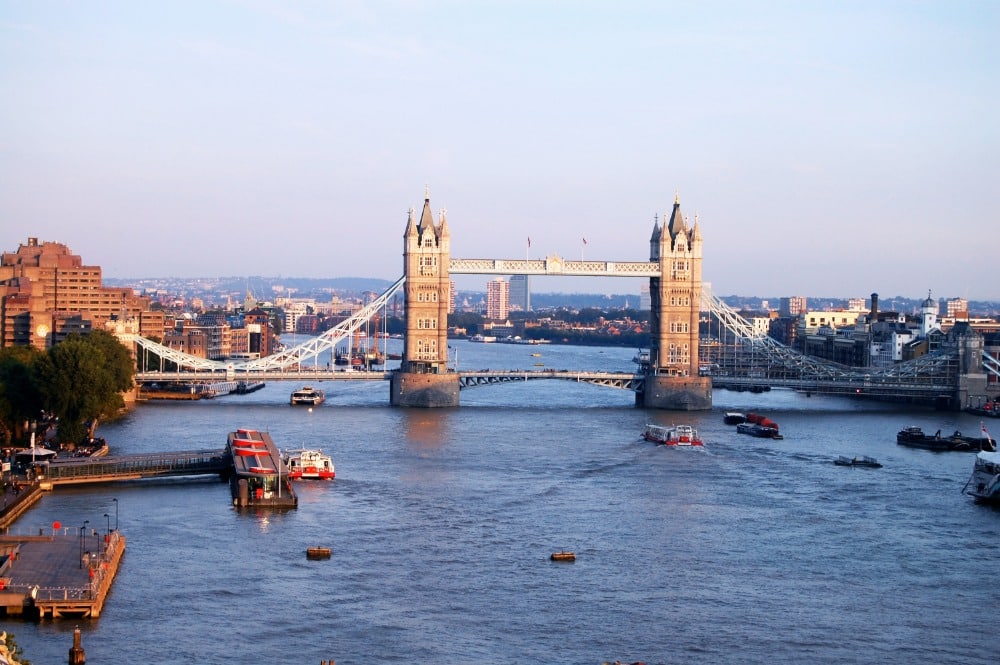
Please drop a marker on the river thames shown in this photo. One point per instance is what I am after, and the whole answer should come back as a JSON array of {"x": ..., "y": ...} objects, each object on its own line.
[{"x": 441, "y": 524}]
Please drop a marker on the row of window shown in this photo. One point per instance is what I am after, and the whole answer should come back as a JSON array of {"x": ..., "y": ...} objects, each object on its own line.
[
  {"x": 427, "y": 324},
  {"x": 680, "y": 327},
  {"x": 429, "y": 296}
]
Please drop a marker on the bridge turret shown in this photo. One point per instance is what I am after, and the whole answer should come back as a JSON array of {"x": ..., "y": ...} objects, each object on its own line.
[
  {"x": 673, "y": 381},
  {"x": 654, "y": 240},
  {"x": 426, "y": 257}
]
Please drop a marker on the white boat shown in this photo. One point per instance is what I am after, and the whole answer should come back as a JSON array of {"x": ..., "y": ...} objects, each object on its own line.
[
  {"x": 674, "y": 435},
  {"x": 307, "y": 395},
  {"x": 309, "y": 463},
  {"x": 984, "y": 483}
]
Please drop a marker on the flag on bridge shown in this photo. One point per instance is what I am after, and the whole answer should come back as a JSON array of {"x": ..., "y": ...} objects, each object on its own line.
[
  {"x": 529, "y": 241},
  {"x": 584, "y": 241}
]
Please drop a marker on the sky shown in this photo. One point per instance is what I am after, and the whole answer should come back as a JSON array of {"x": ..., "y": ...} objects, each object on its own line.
[{"x": 828, "y": 148}]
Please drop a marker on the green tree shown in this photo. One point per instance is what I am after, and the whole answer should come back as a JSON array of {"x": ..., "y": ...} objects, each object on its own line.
[
  {"x": 20, "y": 400},
  {"x": 82, "y": 380}
]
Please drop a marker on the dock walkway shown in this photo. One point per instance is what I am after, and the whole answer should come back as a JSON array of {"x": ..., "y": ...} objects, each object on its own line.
[{"x": 64, "y": 573}]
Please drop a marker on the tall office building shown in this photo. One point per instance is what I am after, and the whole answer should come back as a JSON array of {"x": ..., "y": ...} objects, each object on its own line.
[
  {"x": 497, "y": 299},
  {"x": 520, "y": 292},
  {"x": 792, "y": 306},
  {"x": 957, "y": 307}
]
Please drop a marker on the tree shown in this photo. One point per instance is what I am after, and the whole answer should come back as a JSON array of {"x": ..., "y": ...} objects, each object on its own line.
[
  {"x": 20, "y": 400},
  {"x": 82, "y": 380}
]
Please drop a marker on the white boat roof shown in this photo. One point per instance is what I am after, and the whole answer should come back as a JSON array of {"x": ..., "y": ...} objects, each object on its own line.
[{"x": 990, "y": 457}]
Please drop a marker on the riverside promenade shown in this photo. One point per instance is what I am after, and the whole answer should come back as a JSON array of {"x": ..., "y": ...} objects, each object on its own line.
[
  {"x": 54, "y": 571},
  {"x": 60, "y": 572}
]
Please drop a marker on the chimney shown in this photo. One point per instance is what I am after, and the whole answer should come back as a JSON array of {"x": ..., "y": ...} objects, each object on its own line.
[{"x": 874, "y": 311}]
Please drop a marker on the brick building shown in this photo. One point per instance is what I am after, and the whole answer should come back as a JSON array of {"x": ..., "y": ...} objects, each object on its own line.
[{"x": 47, "y": 293}]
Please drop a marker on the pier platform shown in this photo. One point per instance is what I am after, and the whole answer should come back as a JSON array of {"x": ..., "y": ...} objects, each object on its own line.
[
  {"x": 259, "y": 478},
  {"x": 59, "y": 573}
]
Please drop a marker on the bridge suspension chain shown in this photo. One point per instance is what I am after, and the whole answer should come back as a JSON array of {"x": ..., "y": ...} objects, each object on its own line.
[
  {"x": 773, "y": 360},
  {"x": 283, "y": 359}
]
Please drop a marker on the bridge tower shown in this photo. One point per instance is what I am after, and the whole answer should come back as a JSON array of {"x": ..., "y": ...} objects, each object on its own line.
[
  {"x": 422, "y": 379},
  {"x": 672, "y": 379}
]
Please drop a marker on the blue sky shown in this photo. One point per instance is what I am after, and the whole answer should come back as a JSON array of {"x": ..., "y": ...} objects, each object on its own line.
[{"x": 829, "y": 148}]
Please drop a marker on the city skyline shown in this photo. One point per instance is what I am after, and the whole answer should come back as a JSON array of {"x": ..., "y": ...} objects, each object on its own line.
[{"x": 832, "y": 149}]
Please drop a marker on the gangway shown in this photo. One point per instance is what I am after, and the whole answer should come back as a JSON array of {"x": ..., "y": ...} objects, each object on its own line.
[{"x": 79, "y": 470}]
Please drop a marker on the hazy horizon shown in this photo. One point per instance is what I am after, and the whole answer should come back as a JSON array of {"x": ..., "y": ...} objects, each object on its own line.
[{"x": 848, "y": 146}]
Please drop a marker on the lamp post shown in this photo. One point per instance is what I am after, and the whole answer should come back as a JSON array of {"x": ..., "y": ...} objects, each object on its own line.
[
  {"x": 116, "y": 513},
  {"x": 107, "y": 537},
  {"x": 83, "y": 529}
]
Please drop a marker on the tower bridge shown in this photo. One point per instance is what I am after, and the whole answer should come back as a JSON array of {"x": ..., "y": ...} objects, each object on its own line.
[{"x": 681, "y": 368}]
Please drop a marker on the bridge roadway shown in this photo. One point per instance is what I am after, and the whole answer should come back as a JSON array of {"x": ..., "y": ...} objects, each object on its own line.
[
  {"x": 79, "y": 470},
  {"x": 466, "y": 378},
  {"x": 847, "y": 384}
]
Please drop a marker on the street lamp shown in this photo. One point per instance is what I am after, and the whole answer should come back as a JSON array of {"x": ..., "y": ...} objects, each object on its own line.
[
  {"x": 116, "y": 513},
  {"x": 83, "y": 530},
  {"x": 107, "y": 538}
]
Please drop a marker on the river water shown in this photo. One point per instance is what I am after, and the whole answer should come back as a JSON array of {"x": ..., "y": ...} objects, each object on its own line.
[{"x": 442, "y": 521}]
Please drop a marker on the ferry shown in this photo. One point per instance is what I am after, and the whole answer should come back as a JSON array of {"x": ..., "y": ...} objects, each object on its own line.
[
  {"x": 674, "y": 435},
  {"x": 309, "y": 464},
  {"x": 307, "y": 395},
  {"x": 984, "y": 483}
]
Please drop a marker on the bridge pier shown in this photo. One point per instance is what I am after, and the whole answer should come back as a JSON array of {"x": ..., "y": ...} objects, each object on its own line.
[
  {"x": 676, "y": 393},
  {"x": 413, "y": 389}
]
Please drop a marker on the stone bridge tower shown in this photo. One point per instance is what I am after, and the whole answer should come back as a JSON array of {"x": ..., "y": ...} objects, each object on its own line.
[
  {"x": 422, "y": 378},
  {"x": 672, "y": 379}
]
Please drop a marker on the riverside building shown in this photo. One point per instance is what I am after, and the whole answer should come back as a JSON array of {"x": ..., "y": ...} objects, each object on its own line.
[{"x": 47, "y": 293}]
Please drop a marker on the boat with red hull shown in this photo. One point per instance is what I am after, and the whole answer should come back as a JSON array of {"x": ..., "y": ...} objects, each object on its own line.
[
  {"x": 673, "y": 435},
  {"x": 309, "y": 464}
]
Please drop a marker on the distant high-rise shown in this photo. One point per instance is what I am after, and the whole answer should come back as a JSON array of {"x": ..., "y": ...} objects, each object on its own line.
[
  {"x": 957, "y": 307},
  {"x": 792, "y": 306},
  {"x": 520, "y": 292},
  {"x": 497, "y": 299}
]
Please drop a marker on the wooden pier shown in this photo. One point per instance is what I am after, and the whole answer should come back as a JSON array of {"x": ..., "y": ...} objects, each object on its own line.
[{"x": 65, "y": 573}]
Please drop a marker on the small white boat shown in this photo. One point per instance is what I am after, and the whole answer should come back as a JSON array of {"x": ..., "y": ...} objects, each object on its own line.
[
  {"x": 309, "y": 464},
  {"x": 307, "y": 395},
  {"x": 674, "y": 435}
]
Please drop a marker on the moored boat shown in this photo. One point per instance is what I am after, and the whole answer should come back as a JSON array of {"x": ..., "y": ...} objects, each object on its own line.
[
  {"x": 563, "y": 556},
  {"x": 915, "y": 437},
  {"x": 759, "y": 431},
  {"x": 673, "y": 435},
  {"x": 318, "y": 552},
  {"x": 734, "y": 418},
  {"x": 309, "y": 464},
  {"x": 307, "y": 395}
]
